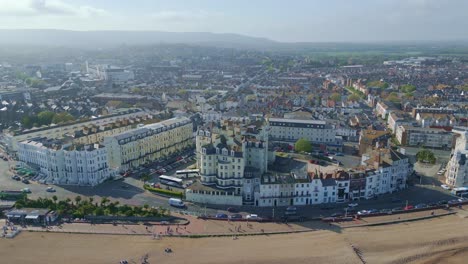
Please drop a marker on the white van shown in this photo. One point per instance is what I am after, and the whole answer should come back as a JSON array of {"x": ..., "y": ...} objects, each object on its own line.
[{"x": 176, "y": 202}]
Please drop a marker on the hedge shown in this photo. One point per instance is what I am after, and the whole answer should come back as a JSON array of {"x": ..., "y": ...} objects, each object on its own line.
[{"x": 164, "y": 192}]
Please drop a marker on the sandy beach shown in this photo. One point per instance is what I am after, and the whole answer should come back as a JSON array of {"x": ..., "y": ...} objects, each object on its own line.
[{"x": 427, "y": 241}]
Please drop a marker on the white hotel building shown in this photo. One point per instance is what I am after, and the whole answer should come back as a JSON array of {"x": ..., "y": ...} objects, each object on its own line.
[
  {"x": 457, "y": 167},
  {"x": 66, "y": 164},
  {"x": 316, "y": 131},
  {"x": 147, "y": 143},
  {"x": 231, "y": 159}
]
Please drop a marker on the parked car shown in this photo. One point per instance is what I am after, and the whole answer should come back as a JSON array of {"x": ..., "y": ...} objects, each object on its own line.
[
  {"x": 372, "y": 211},
  {"x": 397, "y": 209},
  {"x": 50, "y": 189},
  {"x": 353, "y": 204},
  {"x": 386, "y": 211},
  {"x": 232, "y": 210},
  {"x": 25, "y": 181},
  {"x": 339, "y": 154},
  {"x": 16, "y": 178},
  {"x": 26, "y": 190},
  {"x": 363, "y": 212},
  {"x": 235, "y": 216},
  {"x": 336, "y": 215},
  {"x": 420, "y": 206},
  {"x": 446, "y": 187},
  {"x": 442, "y": 202},
  {"x": 452, "y": 202},
  {"x": 221, "y": 216},
  {"x": 252, "y": 217},
  {"x": 408, "y": 207}
]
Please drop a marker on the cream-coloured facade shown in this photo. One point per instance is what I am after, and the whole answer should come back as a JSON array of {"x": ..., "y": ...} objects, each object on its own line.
[{"x": 148, "y": 143}]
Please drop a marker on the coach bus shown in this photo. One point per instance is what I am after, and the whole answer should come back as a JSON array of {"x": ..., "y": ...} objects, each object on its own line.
[
  {"x": 460, "y": 191},
  {"x": 172, "y": 181},
  {"x": 187, "y": 173}
]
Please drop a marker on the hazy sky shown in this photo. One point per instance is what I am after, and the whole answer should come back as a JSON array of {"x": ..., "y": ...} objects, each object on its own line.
[{"x": 283, "y": 20}]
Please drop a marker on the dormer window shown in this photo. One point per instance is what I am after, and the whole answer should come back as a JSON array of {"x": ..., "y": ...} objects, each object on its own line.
[
  {"x": 232, "y": 152},
  {"x": 217, "y": 150},
  {"x": 204, "y": 150},
  {"x": 225, "y": 151}
]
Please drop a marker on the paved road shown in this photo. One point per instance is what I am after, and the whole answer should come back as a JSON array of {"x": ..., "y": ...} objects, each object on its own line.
[{"x": 130, "y": 191}]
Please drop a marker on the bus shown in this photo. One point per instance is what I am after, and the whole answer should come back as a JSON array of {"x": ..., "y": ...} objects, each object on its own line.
[
  {"x": 172, "y": 181},
  {"x": 187, "y": 173},
  {"x": 460, "y": 191}
]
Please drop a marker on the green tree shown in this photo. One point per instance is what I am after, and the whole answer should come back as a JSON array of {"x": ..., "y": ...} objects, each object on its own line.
[
  {"x": 353, "y": 97},
  {"x": 426, "y": 156},
  {"x": 336, "y": 97},
  {"x": 303, "y": 145},
  {"x": 145, "y": 177},
  {"x": 45, "y": 117},
  {"x": 78, "y": 200},
  {"x": 62, "y": 118}
]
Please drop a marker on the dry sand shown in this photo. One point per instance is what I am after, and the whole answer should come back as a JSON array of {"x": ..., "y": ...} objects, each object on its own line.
[{"x": 439, "y": 240}]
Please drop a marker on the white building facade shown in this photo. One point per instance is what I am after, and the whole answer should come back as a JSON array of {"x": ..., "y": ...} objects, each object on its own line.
[
  {"x": 68, "y": 164},
  {"x": 316, "y": 131},
  {"x": 457, "y": 167}
]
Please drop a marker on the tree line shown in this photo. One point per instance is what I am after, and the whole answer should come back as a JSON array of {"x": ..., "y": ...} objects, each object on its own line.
[{"x": 79, "y": 207}]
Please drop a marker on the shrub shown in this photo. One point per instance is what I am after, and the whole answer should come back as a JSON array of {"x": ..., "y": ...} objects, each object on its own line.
[{"x": 164, "y": 192}]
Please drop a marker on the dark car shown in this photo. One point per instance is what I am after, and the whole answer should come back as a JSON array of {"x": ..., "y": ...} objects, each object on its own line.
[
  {"x": 420, "y": 206},
  {"x": 232, "y": 210},
  {"x": 235, "y": 216},
  {"x": 221, "y": 216},
  {"x": 442, "y": 202},
  {"x": 16, "y": 178},
  {"x": 25, "y": 181}
]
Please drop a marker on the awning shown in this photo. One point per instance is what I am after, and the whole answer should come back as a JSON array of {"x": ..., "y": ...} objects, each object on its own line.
[
  {"x": 32, "y": 217},
  {"x": 13, "y": 216}
]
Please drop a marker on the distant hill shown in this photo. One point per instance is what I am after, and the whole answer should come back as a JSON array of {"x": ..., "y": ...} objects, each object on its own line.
[{"x": 96, "y": 39}]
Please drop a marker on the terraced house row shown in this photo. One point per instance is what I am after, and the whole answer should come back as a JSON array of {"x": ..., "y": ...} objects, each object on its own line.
[{"x": 147, "y": 143}]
